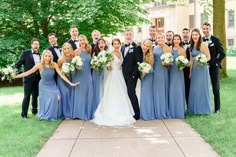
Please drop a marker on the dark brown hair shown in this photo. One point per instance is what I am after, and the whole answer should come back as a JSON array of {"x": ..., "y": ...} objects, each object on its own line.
[
  {"x": 97, "y": 50},
  {"x": 115, "y": 39},
  {"x": 180, "y": 44},
  {"x": 198, "y": 42},
  {"x": 34, "y": 39}
]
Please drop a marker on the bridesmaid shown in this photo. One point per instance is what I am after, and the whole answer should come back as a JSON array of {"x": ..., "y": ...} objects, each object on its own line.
[
  {"x": 160, "y": 80},
  {"x": 49, "y": 95},
  {"x": 146, "y": 95},
  {"x": 65, "y": 90},
  {"x": 98, "y": 76},
  {"x": 82, "y": 95},
  {"x": 177, "y": 89},
  {"x": 199, "y": 94}
]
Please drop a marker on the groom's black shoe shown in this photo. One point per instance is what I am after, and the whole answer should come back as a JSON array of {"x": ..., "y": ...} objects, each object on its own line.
[
  {"x": 136, "y": 117},
  {"x": 24, "y": 117}
]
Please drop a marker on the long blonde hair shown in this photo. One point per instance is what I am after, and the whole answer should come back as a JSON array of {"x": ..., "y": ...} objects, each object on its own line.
[
  {"x": 87, "y": 46},
  {"x": 148, "y": 57},
  {"x": 69, "y": 45},
  {"x": 51, "y": 63}
]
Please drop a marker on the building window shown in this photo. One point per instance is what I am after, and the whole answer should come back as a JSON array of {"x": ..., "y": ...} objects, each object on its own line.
[
  {"x": 139, "y": 29},
  {"x": 231, "y": 18},
  {"x": 159, "y": 22},
  {"x": 230, "y": 42},
  {"x": 191, "y": 1},
  {"x": 191, "y": 21}
]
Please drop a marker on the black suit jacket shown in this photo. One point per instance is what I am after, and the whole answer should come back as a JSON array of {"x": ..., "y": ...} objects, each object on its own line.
[
  {"x": 55, "y": 57},
  {"x": 217, "y": 52},
  {"x": 27, "y": 60},
  {"x": 72, "y": 44},
  {"x": 130, "y": 62}
]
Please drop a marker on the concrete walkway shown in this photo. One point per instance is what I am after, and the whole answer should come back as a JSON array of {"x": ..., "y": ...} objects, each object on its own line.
[{"x": 159, "y": 138}]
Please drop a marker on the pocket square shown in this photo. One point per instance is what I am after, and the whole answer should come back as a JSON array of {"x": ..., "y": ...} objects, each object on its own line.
[
  {"x": 212, "y": 44},
  {"x": 131, "y": 50}
]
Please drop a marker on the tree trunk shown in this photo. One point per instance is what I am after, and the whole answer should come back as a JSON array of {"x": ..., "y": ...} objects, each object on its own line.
[{"x": 219, "y": 29}]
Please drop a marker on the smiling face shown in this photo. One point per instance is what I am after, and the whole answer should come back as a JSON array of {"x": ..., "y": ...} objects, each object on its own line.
[
  {"x": 116, "y": 44},
  {"x": 52, "y": 40},
  {"x": 129, "y": 35},
  {"x": 96, "y": 35},
  {"x": 186, "y": 35},
  {"x": 176, "y": 41},
  {"x": 160, "y": 39},
  {"x": 195, "y": 36},
  {"x": 206, "y": 29},
  {"x": 146, "y": 46},
  {"x": 82, "y": 41},
  {"x": 35, "y": 45},
  {"x": 67, "y": 50},
  {"x": 47, "y": 57},
  {"x": 169, "y": 37},
  {"x": 74, "y": 33},
  {"x": 101, "y": 45},
  {"x": 152, "y": 32}
]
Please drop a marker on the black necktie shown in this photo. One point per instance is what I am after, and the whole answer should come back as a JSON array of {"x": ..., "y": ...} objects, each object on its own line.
[
  {"x": 55, "y": 47},
  {"x": 36, "y": 53}
]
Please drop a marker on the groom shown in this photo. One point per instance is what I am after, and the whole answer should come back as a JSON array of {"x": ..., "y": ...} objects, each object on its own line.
[{"x": 132, "y": 54}]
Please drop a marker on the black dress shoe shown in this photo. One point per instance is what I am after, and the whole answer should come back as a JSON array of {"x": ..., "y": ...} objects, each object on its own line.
[
  {"x": 34, "y": 113},
  {"x": 217, "y": 111},
  {"x": 24, "y": 116}
]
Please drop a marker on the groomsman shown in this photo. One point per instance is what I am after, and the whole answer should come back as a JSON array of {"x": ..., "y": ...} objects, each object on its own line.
[
  {"x": 54, "y": 48},
  {"x": 169, "y": 38},
  {"x": 95, "y": 36},
  {"x": 153, "y": 35},
  {"x": 132, "y": 54},
  {"x": 186, "y": 38},
  {"x": 74, "y": 37},
  {"x": 28, "y": 59},
  {"x": 217, "y": 54}
]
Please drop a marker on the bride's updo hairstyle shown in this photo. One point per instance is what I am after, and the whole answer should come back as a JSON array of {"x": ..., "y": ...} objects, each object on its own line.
[{"x": 115, "y": 39}]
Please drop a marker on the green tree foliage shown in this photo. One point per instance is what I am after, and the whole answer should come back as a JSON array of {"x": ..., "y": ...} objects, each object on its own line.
[{"x": 22, "y": 20}]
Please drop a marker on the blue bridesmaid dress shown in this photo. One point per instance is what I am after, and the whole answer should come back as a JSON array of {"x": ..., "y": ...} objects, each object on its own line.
[
  {"x": 65, "y": 90},
  {"x": 82, "y": 95},
  {"x": 146, "y": 98},
  {"x": 160, "y": 86},
  {"x": 199, "y": 93},
  {"x": 48, "y": 96},
  {"x": 176, "y": 90},
  {"x": 98, "y": 84}
]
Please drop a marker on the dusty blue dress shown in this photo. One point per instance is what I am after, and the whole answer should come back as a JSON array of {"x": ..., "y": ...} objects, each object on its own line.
[
  {"x": 199, "y": 93},
  {"x": 176, "y": 90},
  {"x": 160, "y": 86},
  {"x": 48, "y": 96},
  {"x": 146, "y": 98},
  {"x": 98, "y": 85},
  {"x": 65, "y": 90},
  {"x": 82, "y": 95}
]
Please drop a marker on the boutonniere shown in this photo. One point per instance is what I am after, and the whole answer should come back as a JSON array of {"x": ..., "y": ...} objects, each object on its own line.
[
  {"x": 209, "y": 42},
  {"x": 131, "y": 46}
]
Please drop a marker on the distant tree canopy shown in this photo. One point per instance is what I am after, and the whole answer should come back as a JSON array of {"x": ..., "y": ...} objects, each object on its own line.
[{"x": 21, "y": 20}]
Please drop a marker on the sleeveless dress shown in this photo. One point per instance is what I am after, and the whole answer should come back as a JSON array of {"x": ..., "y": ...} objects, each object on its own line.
[
  {"x": 115, "y": 108},
  {"x": 48, "y": 96},
  {"x": 199, "y": 93},
  {"x": 65, "y": 90},
  {"x": 82, "y": 95},
  {"x": 176, "y": 90},
  {"x": 160, "y": 86},
  {"x": 98, "y": 83},
  {"x": 146, "y": 98}
]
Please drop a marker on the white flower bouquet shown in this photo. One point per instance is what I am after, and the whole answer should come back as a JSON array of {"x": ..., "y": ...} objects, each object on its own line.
[
  {"x": 182, "y": 61},
  {"x": 8, "y": 73},
  {"x": 67, "y": 69},
  {"x": 144, "y": 68},
  {"x": 78, "y": 62},
  {"x": 95, "y": 63},
  {"x": 104, "y": 57},
  {"x": 201, "y": 59},
  {"x": 167, "y": 59}
]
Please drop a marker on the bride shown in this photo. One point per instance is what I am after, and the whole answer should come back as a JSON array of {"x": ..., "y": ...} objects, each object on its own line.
[{"x": 115, "y": 108}]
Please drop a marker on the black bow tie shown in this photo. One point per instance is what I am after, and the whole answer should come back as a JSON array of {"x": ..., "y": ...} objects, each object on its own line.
[
  {"x": 126, "y": 45},
  {"x": 185, "y": 43},
  {"x": 35, "y": 52},
  {"x": 75, "y": 40},
  {"x": 55, "y": 47},
  {"x": 169, "y": 44},
  {"x": 205, "y": 39},
  {"x": 153, "y": 40}
]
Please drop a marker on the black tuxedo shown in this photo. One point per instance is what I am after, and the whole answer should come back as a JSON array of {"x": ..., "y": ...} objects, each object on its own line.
[
  {"x": 55, "y": 57},
  {"x": 72, "y": 44},
  {"x": 217, "y": 54},
  {"x": 131, "y": 73},
  {"x": 30, "y": 82},
  {"x": 186, "y": 77}
]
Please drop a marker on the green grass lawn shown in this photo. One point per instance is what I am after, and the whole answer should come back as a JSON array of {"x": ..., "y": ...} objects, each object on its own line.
[
  {"x": 220, "y": 129},
  {"x": 20, "y": 137}
]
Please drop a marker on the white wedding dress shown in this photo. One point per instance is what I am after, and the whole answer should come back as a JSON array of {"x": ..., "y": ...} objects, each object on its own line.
[{"x": 115, "y": 108}]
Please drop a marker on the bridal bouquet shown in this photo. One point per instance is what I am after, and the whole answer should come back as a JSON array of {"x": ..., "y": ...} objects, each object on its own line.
[
  {"x": 201, "y": 59},
  {"x": 167, "y": 59},
  {"x": 78, "y": 62},
  {"x": 144, "y": 68},
  {"x": 95, "y": 63},
  {"x": 104, "y": 57},
  {"x": 67, "y": 69},
  {"x": 8, "y": 73},
  {"x": 182, "y": 61}
]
